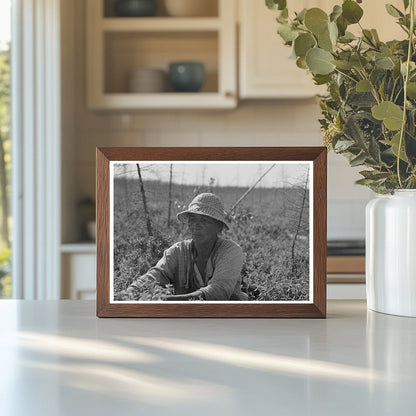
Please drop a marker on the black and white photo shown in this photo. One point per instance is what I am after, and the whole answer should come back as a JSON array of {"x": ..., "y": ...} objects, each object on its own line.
[{"x": 211, "y": 231}]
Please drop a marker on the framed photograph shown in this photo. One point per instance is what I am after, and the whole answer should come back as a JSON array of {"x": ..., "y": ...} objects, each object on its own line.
[{"x": 211, "y": 232}]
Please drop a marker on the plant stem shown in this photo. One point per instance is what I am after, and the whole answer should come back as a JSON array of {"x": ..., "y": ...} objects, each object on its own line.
[
  {"x": 346, "y": 75},
  {"x": 405, "y": 81},
  {"x": 373, "y": 88}
]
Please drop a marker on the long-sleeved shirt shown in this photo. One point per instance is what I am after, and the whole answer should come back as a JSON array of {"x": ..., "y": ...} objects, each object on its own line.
[{"x": 222, "y": 280}]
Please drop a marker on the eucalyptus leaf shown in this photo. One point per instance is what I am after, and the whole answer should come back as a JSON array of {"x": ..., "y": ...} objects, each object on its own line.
[
  {"x": 301, "y": 15},
  {"x": 333, "y": 32},
  {"x": 358, "y": 160},
  {"x": 374, "y": 150},
  {"x": 382, "y": 89},
  {"x": 334, "y": 91},
  {"x": 368, "y": 36},
  {"x": 384, "y": 62},
  {"x": 354, "y": 132},
  {"x": 358, "y": 61},
  {"x": 365, "y": 182},
  {"x": 375, "y": 35},
  {"x": 316, "y": 20},
  {"x": 303, "y": 43},
  {"x": 411, "y": 90},
  {"x": 377, "y": 75},
  {"x": 325, "y": 42},
  {"x": 345, "y": 65},
  {"x": 301, "y": 63},
  {"x": 363, "y": 86},
  {"x": 412, "y": 123},
  {"x": 276, "y": 4},
  {"x": 342, "y": 25},
  {"x": 374, "y": 174},
  {"x": 391, "y": 114},
  {"x": 319, "y": 61},
  {"x": 281, "y": 19},
  {"x": 321, "y": 79},
  {"x": 361, "y": 100},
  {"x": 351, "y": 11},
  {"x": 287, "y": 33},
  {"x": 343, "y": 145},
  {"x": 393, "y": 11},
  {"x": 347, "y": 37},
  {"x": 336, "y": 12},
  {"x": 412, "y": 67},
  {"x": 394, "y": 143},
  {"x": 405, "y": 21},
  {"x": 385, "y": 50}
]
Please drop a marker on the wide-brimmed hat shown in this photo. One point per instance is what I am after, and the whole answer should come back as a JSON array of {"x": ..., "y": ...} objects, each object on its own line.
[{"x": 206, "y": 204}]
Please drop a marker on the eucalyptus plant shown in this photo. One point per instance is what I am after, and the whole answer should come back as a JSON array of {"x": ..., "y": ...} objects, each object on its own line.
[{"x": 369, "y": 111}]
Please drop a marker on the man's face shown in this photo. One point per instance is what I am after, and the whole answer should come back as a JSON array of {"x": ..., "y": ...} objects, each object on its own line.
[{"x": 203, "y": 228}]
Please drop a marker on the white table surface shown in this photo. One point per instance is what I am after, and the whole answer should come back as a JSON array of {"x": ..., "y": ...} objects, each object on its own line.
[{"x": 57, "y": 358}]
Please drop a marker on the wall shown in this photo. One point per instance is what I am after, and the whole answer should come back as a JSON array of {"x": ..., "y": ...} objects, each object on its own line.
[{"x": 253, "y": 123}]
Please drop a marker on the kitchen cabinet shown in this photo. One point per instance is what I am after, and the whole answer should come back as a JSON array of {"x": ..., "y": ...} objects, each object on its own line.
[
  {"x": 118, "y": 45},
  {"x": 265, "y": 70},
  {"x": 78, "y": 262},
  {"x": 346, "y": 277}
]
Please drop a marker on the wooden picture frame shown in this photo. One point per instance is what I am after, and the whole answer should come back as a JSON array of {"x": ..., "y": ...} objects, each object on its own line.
[{"x": 238, "y": 159}]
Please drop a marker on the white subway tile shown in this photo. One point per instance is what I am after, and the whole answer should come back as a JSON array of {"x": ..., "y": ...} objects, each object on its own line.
[
  {"x": 173, "y": 138},
  {"x": 202, "y": 120},
  {"x": 156, "y": 119}
]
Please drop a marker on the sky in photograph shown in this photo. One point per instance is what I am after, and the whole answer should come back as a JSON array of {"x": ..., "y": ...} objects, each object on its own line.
[
  {"x": 5, "y": 20},
  {"x": 239, "y": 174}
]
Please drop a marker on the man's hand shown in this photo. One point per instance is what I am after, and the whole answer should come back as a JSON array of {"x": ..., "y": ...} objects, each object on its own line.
[{"x": 197, "y": 295}]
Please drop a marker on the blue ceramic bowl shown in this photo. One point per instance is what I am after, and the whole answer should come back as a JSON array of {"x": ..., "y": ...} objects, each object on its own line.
[
  {"x": 186, "y": 76},
  {"x": 135, "y": 8}
]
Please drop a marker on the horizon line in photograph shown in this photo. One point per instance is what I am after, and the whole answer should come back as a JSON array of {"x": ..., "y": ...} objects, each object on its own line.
[{"x": 244, "y": 174}]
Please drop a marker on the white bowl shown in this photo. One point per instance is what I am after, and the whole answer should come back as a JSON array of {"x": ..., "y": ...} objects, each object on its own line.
[
  {"x": 191, "y": 8},
  {"x": 147, "y": 80}
]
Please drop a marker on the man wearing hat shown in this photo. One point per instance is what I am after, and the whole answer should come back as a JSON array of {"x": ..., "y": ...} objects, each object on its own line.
[{"x": 205, "y": 267}]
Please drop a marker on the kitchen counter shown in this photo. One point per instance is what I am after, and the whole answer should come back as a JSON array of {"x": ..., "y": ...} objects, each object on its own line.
[{"x": 57, "y": 358}]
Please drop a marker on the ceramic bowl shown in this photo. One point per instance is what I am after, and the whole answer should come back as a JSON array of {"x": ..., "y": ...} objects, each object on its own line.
[
  {"x": 135, "y": 8},
  {"x": 147, "y": 80},
  {"x": 186, "y": 76},
  {"x": 191, "y": 8}
]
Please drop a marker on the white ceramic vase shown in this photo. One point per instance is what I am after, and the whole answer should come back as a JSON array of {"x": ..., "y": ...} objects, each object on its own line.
[{"x": 391, "y": 253}]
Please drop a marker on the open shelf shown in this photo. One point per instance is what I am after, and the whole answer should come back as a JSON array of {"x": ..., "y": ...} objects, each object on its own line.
[
  {"x": 118, "y": 45},
  {"x": 126, "y": 51},
  {"x": 160, "y": 24}
]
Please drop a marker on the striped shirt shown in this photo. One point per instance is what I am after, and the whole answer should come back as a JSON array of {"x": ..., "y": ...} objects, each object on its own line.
[{"x": 222, "y": 280}]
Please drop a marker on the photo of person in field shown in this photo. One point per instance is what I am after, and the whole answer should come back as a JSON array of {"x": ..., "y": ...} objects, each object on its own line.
[
  {"x": 180, "y": 237},
  {"x": 205, "y": 267}
]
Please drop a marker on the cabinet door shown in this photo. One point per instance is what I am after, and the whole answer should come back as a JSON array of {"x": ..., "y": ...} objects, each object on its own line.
[
  {"x": 78, "y": 276},
  {"x": 266, "y": 71}
]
